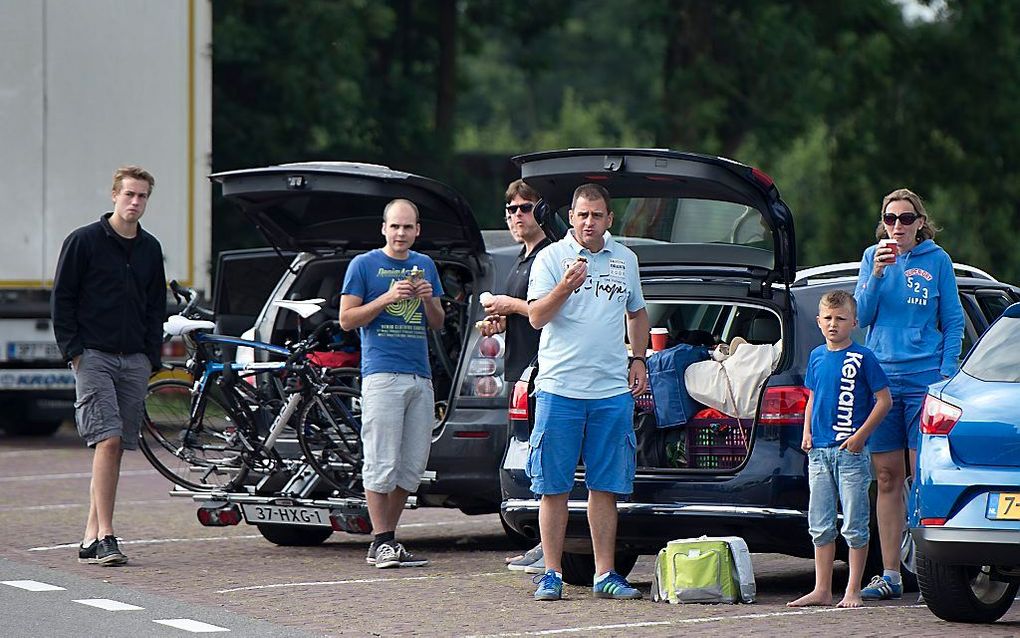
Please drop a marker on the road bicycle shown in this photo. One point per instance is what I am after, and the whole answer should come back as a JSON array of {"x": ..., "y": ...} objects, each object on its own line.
[{"x": 224, "y": 427}]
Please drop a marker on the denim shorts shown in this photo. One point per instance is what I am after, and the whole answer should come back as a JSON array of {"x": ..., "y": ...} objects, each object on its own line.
[
  {"x": 110, "y": 394},
  {"x": 902, "y": 425},
  {"x": 601, "y": 431},
  {"x": 843, "y": 477},
  {"x": 398, "y": 413}
]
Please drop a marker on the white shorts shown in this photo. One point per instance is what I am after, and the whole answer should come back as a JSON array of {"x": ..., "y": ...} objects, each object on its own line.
[{"x": 397, "y": 418}]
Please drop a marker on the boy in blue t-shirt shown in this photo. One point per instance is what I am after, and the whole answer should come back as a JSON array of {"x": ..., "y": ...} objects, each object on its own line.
[{"x": 848, "y": 397}]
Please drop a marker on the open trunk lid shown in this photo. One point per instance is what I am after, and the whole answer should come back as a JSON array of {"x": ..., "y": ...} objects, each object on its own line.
[
  {"x": 337, "y": 206},
  {"x": 677, "y": 210}
]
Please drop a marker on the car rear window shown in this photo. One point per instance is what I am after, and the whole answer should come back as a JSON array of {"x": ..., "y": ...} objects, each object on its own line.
[
  {"x": 686, "y": 221},
  {"x": 996, "y": 357}
]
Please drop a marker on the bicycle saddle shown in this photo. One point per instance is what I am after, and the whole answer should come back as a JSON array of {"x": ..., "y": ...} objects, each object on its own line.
[
  {"x": 177, "y": 325},
  {"x": 304, "y": 307}
]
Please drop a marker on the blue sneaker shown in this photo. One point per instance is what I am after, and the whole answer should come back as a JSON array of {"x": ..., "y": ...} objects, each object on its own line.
[
  {"x": 881, "y": 588},
  {"x": 615, "y": 586},
  {"x": 550, "y": 586}
]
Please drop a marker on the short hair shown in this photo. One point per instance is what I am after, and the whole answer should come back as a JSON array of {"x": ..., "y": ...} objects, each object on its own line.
[
  {"x": 591, "y": 192},
  {"x": 928, "y": 227},
  {"x": 838, "y": 299},
  {"x": 397, "y": 201},
  {"x": 518, "y": 187},
  {"x": 131, "y": 171}
]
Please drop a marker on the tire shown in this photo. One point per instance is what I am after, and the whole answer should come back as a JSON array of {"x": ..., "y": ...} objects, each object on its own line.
[
  {"x": 517, "y": 540},
  {"x": 329, "y": 433},
  {"x": 201, "y": 458},
  {"x": 295, "y": 535},
  {"x": 579, "y": 569},
  {"x": 963, "y": 593}
]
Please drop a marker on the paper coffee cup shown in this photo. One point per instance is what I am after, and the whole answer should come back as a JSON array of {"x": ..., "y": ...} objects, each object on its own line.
[
  {"x": 890, "y": 243},
  {"x": 659, "y": 338}
]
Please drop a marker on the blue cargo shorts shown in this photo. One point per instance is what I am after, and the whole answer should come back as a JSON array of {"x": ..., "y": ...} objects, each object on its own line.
[
  {"x": 110, "y": 394},
  {"x": 601, "y": 431},
  {"x": 902, "y": 425}
]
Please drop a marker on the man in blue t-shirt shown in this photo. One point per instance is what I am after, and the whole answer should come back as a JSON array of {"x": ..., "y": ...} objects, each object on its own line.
[
  {"x": 392, "y": 295},
  {"x": 848, "y": 397}
]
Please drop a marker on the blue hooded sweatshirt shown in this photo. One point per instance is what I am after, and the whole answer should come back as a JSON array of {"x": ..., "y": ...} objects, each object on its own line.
[{"x": 912, "y": 312}]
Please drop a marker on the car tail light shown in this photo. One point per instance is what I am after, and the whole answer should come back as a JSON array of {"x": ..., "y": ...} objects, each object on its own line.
[
  {"x": 350, "y": 522},
  {"x": 219, "y": 516},
  {"x": 519, "y": 402},
  {"x": 938, "y": 417},
  {"x": 763, "y": 178},
  {"x": 933, "y": 521},
  {"x": 484, "y": 371},
  {"x": 784, "y": 405}
]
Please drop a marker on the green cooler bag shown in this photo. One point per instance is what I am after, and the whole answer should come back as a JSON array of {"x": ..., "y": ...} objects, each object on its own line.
[{"x": 702, "y": 570}]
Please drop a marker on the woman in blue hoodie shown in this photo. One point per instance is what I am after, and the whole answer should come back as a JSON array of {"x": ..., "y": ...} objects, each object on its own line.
[{"x": 908, "y": 301}]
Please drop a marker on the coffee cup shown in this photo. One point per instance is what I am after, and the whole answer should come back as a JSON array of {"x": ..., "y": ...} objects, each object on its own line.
[
  {"x": 892, "y": 245},
  {"x": 659, "y": 338}
]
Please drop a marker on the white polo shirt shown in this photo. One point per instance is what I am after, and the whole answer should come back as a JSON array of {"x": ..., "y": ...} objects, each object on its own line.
[{"x": 582, "y": 353}]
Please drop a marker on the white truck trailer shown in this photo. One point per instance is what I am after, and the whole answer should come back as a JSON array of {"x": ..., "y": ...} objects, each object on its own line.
[{"x": 86, "y": 86}]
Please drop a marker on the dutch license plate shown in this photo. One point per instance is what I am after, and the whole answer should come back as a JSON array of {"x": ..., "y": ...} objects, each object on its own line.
[
  {"x": 33, "y": 351},
  {"x": 1003, "y": 506},
  {"x": 280, "y": 515}
]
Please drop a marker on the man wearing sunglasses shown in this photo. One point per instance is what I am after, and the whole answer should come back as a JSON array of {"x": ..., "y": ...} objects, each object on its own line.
[
  {"x": 509, "y": 313},
  {"x": 908, "y": 301}
]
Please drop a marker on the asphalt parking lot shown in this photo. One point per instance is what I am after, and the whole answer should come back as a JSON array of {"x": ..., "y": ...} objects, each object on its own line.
[{"x": 231, "y": 578}]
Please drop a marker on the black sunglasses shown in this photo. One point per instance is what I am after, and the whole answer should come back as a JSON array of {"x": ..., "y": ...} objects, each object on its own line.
[
  {"x": 905, "y": 218},
  {"x": 526, "y": 207}
]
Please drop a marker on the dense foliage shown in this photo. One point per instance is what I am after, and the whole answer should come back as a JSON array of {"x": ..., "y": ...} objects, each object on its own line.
[{"x": 839, "y": 102}]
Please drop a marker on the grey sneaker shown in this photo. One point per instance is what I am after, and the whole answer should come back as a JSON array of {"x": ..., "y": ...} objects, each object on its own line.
[
  {"x": 108, "y": 553},
  {"x": 370, "y": 559},
  {"x": 394, "y": 555},
  {"x": 87, "y": 555},
  {"x": 538, "y": 567},
  {"x": 529, "y": 558}
]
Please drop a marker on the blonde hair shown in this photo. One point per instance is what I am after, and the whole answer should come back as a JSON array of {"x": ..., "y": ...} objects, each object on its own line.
[
  {"x": 132, "y": 172},
  {"x": 928, "y": 227},
  {"x": 838, "y": 299}
]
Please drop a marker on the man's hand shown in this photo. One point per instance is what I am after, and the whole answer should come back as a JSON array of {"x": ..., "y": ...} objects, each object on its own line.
[
  {"x": 74, "y": 363},
  {"x": 493, "y": 324},
  {"x": 805, "y": 441},
  {"x": 499, "y": 305},
  {"x": 575, "y": 275},
  {"x": 423, "y": 289},
  {"x": 637, "y": 377},
  {"x": 401, "y": 290},
  {"x": 853, "y": 444}
]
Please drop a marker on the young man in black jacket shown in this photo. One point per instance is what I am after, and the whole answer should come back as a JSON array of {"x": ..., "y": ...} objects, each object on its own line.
[{"x": 109, "y": 303}]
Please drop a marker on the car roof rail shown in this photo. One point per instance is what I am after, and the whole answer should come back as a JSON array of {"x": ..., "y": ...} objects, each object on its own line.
[{"x": 851, "y": 268}]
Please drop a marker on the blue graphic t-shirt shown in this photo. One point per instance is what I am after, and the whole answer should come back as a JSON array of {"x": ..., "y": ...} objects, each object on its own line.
[
  {"x": 395, "y": 341},
  {"x": 844, "y": 383}
]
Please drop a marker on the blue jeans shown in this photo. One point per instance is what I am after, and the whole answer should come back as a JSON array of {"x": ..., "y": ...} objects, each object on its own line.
[{"x": 841, "y": 477}]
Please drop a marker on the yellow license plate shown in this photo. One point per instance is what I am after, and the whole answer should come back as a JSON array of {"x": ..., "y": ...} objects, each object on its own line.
[{"x": 1003, "y": 506}]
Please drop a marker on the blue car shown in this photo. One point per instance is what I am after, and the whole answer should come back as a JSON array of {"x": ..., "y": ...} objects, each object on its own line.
[{"x": 965, "y": 510}]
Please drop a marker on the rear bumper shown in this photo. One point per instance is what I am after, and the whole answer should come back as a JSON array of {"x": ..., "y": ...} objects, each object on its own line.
[
  {"x": 646, "y": 527},
  {"x": 465, "y": 459},
  {"x": 968, "y": 546}
]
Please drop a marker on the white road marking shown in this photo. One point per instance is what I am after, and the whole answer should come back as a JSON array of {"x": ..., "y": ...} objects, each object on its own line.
[
  {"x": 358, "y": 581},
  {"x": 194, "y": 626},
  {"x": 154, "y": 541},
  {"x": 680, "y": 621},
  {"x": 69, "y": 475},
  {"x": 107, "y": 604},
  {"x": 32, "y": 585},
  {"x": 64, "y": 506}
]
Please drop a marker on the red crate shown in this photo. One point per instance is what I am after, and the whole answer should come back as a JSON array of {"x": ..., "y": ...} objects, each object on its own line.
[{"x": 716, "y": 443}]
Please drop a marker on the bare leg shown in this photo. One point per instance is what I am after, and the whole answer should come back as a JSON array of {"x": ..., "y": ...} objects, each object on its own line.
[
  {"x": 822, "y": 593},
  {"x": 552, "y": 525},
  {"x": 890, "y": 472},
  {"x": 385, "y": 508},
  {"x": 602, "y": 521},
  {"x": 103, "y": 489},
  {"x": 92, "y": 524},
  {"x": 852, "y": 597}
]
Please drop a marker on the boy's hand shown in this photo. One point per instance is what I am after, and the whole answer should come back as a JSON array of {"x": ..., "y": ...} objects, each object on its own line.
[
  {"x": 805, "y": 442},
  {"x": 853, "y": 444}
]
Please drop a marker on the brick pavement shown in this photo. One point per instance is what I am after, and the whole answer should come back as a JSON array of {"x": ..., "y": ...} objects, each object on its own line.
[{"x": 329, "y": 590}]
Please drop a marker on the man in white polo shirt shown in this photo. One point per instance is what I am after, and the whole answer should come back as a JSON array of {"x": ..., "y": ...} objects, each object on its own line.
[{"x": 583, "y": 292}]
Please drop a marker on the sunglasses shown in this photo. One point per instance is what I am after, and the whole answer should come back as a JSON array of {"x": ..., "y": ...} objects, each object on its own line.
[
  {"x": 524, "y": 208},
  {"x": 905, "y": 218}
]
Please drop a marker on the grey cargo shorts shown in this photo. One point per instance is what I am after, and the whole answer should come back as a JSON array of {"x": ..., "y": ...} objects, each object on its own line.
[{"x": 110, "y": 396}]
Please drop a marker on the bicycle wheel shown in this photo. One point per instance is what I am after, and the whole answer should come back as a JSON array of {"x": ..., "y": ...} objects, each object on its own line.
[
  {"x": 203, "y": 455},
  {"x": 330, "y": 438}
]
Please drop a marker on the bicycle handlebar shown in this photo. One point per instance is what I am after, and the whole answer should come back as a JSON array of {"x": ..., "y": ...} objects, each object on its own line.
[
  {"x": 303, "y": 347},
  {"x": 191, "y": 308}
]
